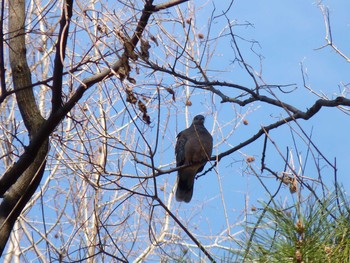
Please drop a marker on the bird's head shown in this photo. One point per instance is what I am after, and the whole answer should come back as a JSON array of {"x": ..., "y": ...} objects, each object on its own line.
[{"x": 198, "y": 120}]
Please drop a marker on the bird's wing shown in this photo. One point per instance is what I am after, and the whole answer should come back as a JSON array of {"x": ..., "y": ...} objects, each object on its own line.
[
  {"x": 206, "y": 147},
  {"x": 180, "y": 148}
]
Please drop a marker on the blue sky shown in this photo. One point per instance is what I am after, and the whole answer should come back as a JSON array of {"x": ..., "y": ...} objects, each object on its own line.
[{"x": 289, "y": 34}]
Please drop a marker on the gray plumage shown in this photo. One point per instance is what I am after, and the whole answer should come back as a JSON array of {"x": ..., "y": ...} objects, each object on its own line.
[{"x": 193, "y": 147}]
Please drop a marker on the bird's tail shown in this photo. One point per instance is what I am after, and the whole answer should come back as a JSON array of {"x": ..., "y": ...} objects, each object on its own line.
[{"x": 184, "y": 190}]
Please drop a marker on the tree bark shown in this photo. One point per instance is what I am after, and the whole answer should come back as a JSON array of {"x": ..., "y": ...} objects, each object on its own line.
[{"x": 20, "y": 192}]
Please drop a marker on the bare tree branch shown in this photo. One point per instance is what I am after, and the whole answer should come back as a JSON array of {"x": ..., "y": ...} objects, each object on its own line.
[{"x": 67, "y": 12}]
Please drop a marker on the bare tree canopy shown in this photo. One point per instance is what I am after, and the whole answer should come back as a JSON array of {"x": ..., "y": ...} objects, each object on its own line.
[{"x": 94, "y": 93}]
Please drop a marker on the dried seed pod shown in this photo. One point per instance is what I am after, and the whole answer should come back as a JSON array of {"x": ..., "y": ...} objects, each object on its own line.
[
  {"x": 293, "y": 185},
  {"x": 153, "y": 38},
  {"x": 145, "y": 46},
  {"x": 188, "y": 103},
  {"x": 250, "y": 159},
  {"x": 146, "y": 118},
  {"x": 300, "y": 227},
  {"x": 142, "y": 106},
  {"x": 130, "y": 97},
  {"x": 298, "y": 256},
  {"x": 171, "y": 92}
]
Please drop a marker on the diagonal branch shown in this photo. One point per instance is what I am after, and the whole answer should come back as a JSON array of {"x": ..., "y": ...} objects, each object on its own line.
[
  {"x": 2, "y": 63},
  {"x": 315, "y": 108},
  {"x": 198, "y": 244},
  {"x": 55, "y": 118},
  {"x": 60, "y": 55}
]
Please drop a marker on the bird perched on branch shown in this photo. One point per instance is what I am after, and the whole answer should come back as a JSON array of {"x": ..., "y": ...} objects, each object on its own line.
[{"x": 193, "y": 147}]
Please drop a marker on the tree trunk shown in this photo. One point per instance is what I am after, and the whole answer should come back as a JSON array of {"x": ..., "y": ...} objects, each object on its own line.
[{"x": 17, "y": 196}]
